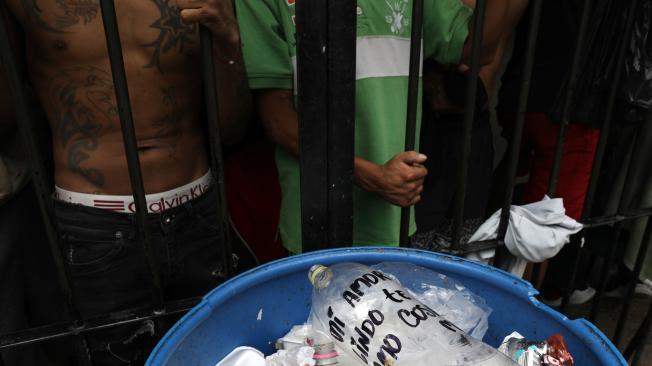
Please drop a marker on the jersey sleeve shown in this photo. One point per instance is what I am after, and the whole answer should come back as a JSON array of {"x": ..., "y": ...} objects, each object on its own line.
[
  {"x": 446, "y": 28},
  {"x": 265, "y": 49}
]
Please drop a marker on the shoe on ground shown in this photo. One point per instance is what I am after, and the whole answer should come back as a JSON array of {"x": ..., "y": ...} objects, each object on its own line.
[
  {"x": 643, "y": 289},
  {"x": 578, "y": 297}
]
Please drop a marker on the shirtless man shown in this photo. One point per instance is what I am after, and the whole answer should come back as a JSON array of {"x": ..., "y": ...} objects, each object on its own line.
[{"x": 68, "y": 67}]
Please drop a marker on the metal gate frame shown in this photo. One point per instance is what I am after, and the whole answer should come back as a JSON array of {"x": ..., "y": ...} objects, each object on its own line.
[{"x": 326, "y": 86}]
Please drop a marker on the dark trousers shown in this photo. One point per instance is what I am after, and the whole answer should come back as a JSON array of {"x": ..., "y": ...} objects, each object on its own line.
[
  {"x": 441, "y": 137},
  {"x": 29, "y": 293},
  {"x": 110, "y": 273}
]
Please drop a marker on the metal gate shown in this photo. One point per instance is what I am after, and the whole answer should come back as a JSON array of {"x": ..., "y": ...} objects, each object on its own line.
[{"x": 326, "y": 89}]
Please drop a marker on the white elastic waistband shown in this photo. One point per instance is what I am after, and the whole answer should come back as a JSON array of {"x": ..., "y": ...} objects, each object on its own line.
[{"x": 157, "y": 202}]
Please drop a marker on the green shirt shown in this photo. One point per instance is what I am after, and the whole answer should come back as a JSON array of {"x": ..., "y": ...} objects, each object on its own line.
[{"x": 383, "y": 49}]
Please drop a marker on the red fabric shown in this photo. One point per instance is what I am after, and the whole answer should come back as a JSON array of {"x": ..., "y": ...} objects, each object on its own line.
[
  {"x": 254, "y": 198},
  {"x": 539, "y": 141}
]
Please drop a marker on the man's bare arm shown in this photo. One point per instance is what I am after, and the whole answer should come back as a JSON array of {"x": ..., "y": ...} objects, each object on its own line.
[
  {"x": 399, "y": 181},
  {"x": 494, "y": 25},
  {"x": 232, "y": 89},
  {"x": 489, "y": 72}
]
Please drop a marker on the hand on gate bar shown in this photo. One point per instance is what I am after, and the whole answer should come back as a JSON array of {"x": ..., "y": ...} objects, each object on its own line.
[
  {"x": 398, "y": 181},
  {"x": 216, "y": 15}
]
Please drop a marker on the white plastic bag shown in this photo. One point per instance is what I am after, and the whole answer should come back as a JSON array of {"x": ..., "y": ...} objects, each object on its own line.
[
  {"x": 443, "y": 294},
  {"x": 377, "y": 322}
]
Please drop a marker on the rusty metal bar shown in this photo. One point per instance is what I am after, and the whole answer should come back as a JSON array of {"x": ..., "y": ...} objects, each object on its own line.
[
  {"x": 342, "y": 40},
  {"x": 217, "y": 161},
  {"x": 602, "y": 144},
  {"x": 570, "y": 93},
  {"x": 25, "y": 116},
  {"x": 57, "y": 331},
  {"x": 467, "y": 127},
  {"x": 515, "y": 143},
  {"x": 412, "y": 103},
  {"x": 131, "y": 148}
]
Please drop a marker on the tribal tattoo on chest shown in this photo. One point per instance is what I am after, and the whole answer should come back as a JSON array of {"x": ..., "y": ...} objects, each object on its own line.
[{"x": 173, "y": 33}]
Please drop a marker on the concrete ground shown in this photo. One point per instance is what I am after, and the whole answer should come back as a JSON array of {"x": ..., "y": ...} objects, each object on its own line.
[{"x": 608, "y": 318}]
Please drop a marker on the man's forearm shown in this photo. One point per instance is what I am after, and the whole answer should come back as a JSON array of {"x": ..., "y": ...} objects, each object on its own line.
[
  {"x": 232, "y": 89},
  {"x": 282, "y": 124},
  {"x": 494, "y": 25}
]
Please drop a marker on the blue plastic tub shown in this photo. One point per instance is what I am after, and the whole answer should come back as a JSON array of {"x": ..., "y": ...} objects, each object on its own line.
[{"x": 257, "y": 307}]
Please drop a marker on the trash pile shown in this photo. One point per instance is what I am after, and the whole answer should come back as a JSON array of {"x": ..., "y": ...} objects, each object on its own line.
[{"x": 396, "y": 314}]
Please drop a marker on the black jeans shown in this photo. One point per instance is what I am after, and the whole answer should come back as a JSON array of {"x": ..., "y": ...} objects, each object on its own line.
[
  {"x": 110, "y": 274},
  {"x": 29, "y": 292}
]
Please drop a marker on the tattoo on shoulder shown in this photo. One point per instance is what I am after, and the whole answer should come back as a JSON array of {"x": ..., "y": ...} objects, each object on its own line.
[
  {"x": 173, "y": 33},
  {"x": 65, "y": 13},
  {"x": 168, "y": 130},
  {"x": 84, "y": 110}
]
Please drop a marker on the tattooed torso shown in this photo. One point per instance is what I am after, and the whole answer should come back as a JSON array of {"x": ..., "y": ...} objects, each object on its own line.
[{"x": 69, "y": 68}]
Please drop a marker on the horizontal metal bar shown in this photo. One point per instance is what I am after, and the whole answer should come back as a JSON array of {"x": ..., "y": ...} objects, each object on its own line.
[
  {"x": 61, "y": 330},
  {"x": 473, "y": 247},
  {"x": 614, "y": 219}
]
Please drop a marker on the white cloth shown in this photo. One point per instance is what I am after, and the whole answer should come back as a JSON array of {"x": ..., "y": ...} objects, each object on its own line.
[
  {"x": 536, "y": 232},
  {"x": 243, "y": 356}
]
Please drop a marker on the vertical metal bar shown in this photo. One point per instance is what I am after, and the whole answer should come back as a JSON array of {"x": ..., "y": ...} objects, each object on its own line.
[
  {"x": 611, "y": 255},
  {"x": 602, "y": 143},
  {"x": 611, "y": 102},
  {"x": 570, "y": 94},
  {"x": 524, "y": 93},
  {"x": 342, "y": 18},
  {"x": 28, "y": 136},
  {"x": 638, "y": 356},
  {"x": 217, "y": 162},
  {"x": 602, "y": 283},
  {"x": 467, "y": 127},
  {"x": 631, "y": 286},
  {"x": 638, "y": 341},
  {"x": 312, "y": 70},
  {"x": 130, "y": 144},
  {"x": 412, "y": 102}
]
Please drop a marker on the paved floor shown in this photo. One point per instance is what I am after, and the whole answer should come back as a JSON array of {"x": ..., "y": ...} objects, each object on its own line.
[{"x": 608, "y": 318}]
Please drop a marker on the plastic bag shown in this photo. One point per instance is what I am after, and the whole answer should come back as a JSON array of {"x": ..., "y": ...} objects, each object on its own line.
[
  {"x": 374, "y": 320},
  {"x": 637, "y": 79},
  {"x": 443, "y": 294}
]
